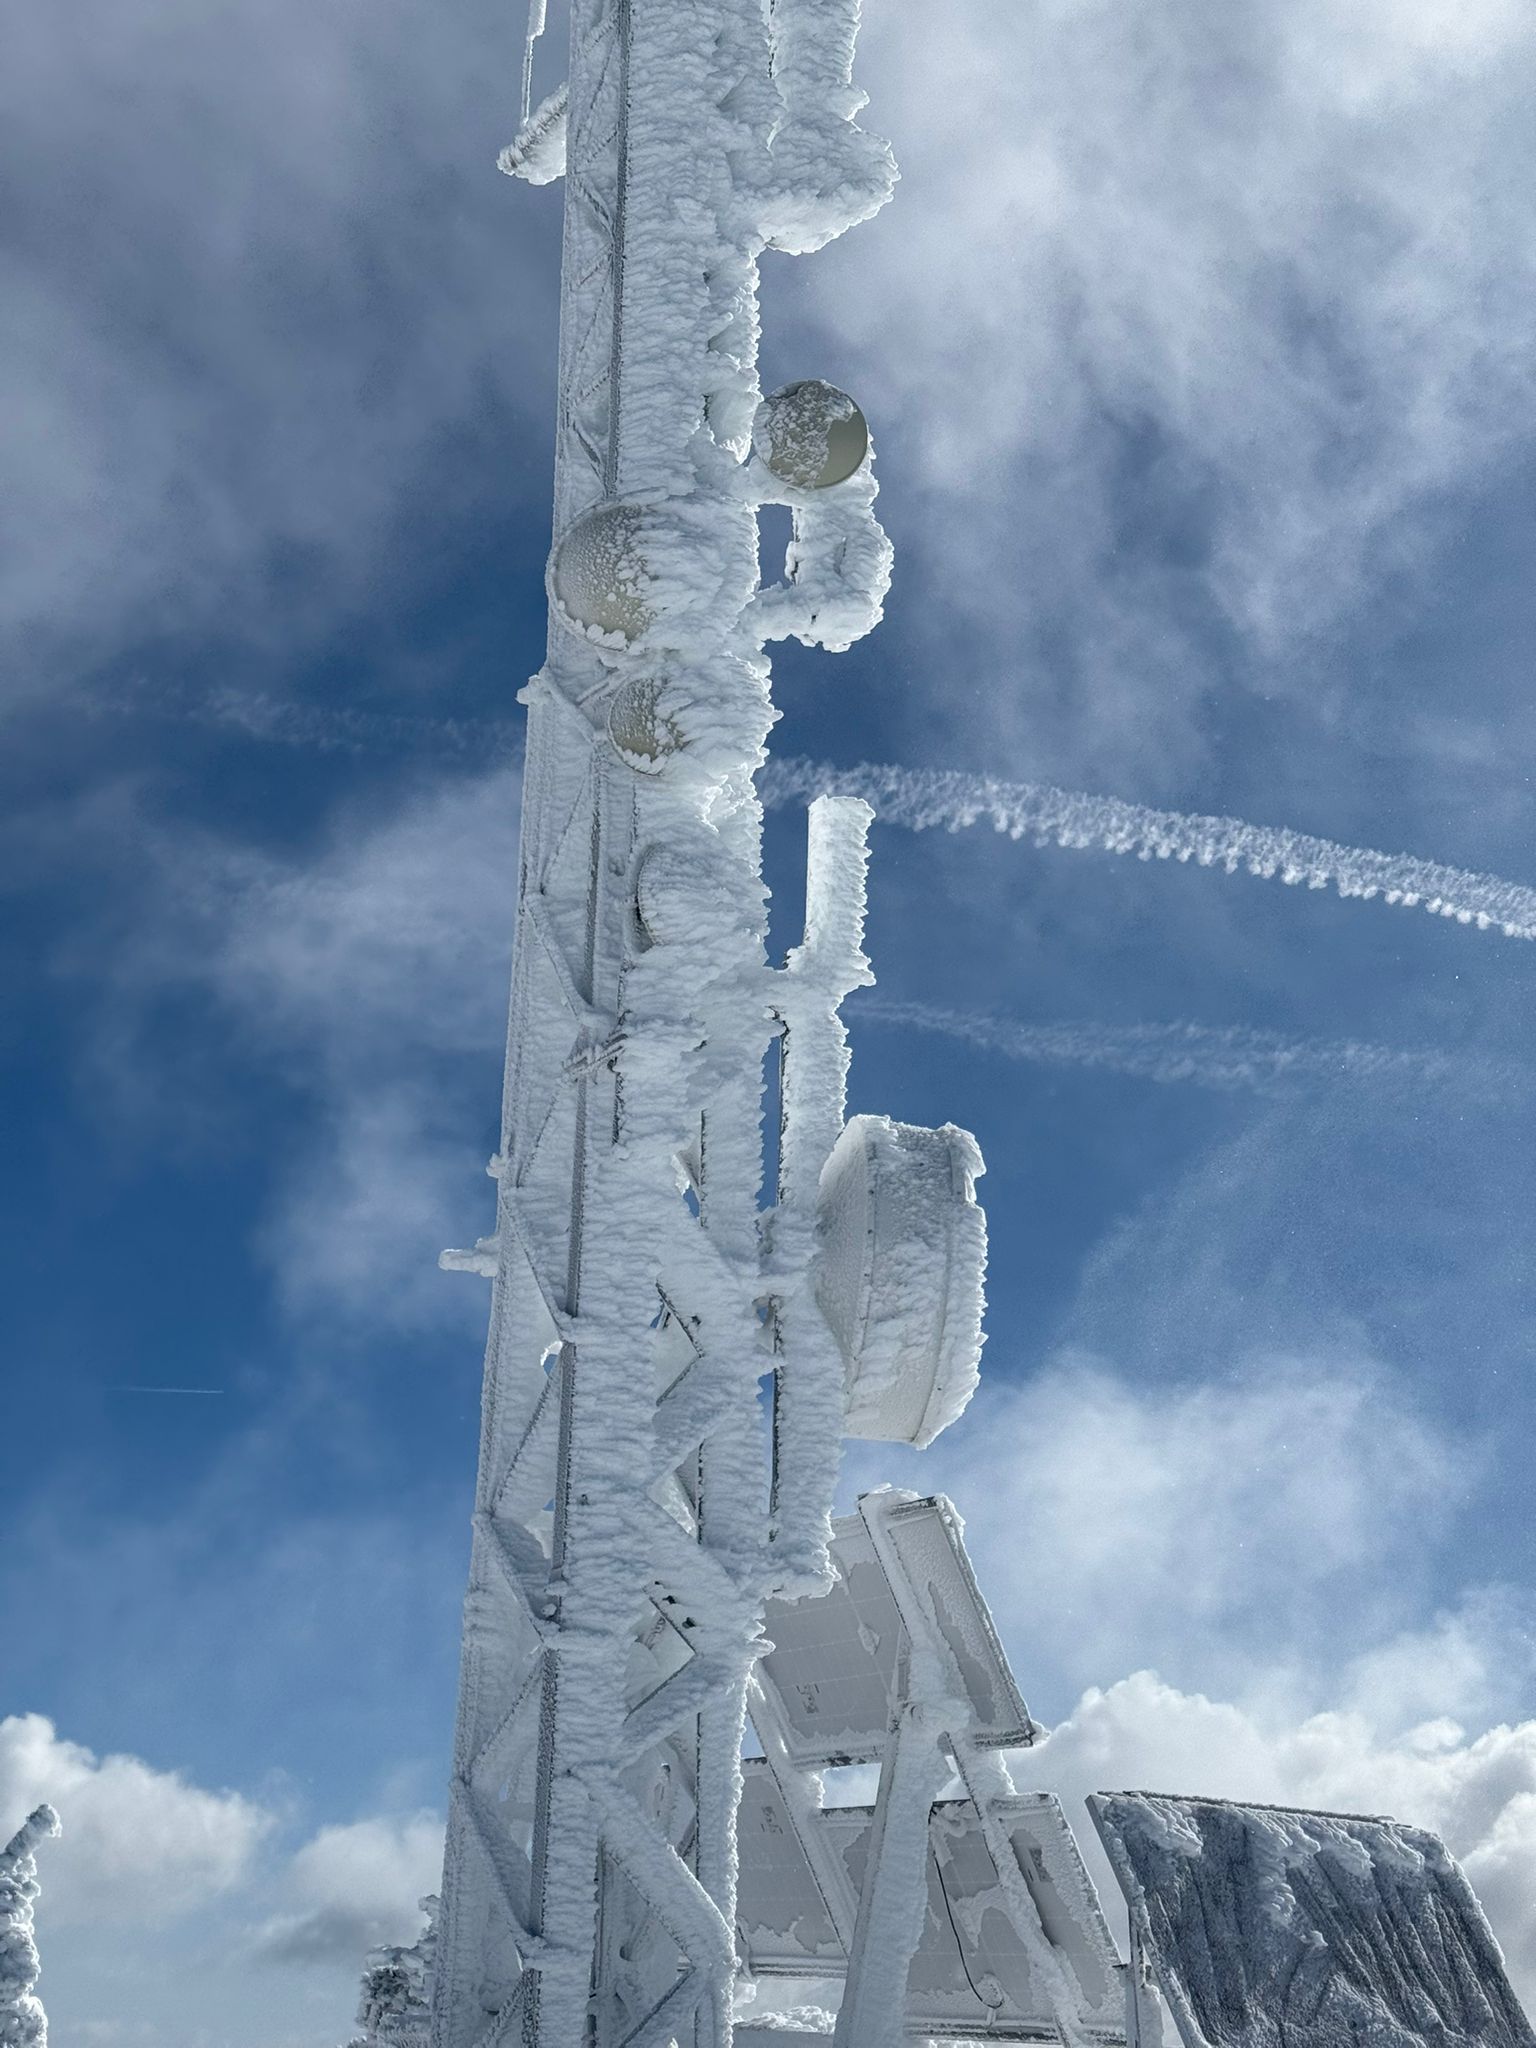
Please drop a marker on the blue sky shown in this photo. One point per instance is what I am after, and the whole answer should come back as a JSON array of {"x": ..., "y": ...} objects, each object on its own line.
[{"x": 1197, "y": 347}]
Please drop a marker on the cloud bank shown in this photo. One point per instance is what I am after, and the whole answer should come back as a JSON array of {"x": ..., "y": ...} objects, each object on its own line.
[
  {"x": 353, "y": 1886},
  {"x": 142, "y": 1845},
  {"x": 1477, "y": 1792}
]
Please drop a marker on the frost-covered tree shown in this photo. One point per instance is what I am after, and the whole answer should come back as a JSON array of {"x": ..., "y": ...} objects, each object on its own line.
[
  {"x": 395, "y": 2007},
  {"x": 23, "y": 2023}
]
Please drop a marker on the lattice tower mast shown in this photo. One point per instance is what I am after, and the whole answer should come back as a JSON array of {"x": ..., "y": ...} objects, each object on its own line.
[{"x": 639, "y": 1494}]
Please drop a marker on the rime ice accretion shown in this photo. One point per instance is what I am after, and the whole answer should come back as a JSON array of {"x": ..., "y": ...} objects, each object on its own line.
[{"x": 23, "y": 2023}]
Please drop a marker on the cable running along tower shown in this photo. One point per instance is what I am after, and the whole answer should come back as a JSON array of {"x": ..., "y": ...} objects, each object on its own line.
[{"x": 674, "y": 1356}]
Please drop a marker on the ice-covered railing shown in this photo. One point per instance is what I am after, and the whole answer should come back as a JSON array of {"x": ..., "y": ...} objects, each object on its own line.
[{"x": 23, "y": 2022}]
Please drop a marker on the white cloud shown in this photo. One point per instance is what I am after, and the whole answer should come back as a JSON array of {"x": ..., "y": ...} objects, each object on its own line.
[
  {"x": 1478, "y": 1793},
  {"x": 1230, "y": 1527},
  {"x": 172, "y": 1914},
  {"x": 352, "y": 1886},
  {"x": 234, "y": 354},
  {"x": 1273, "y": 259},
  {"x": 139, "y": 1845},
  {"x": 382, "y": 966},
  {"x": 381, "y": 1189},
  {"x": 397, "y": 936},
  {"x": 370, "y": 975}
]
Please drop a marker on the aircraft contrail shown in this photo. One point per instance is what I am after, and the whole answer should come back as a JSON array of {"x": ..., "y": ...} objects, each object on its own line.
[
  {"x": 1227, "y": 1057},
  {"x": 323, "y": 728},
  {"x": 165, "y": 1390},
  {"x": 921, "y": 798}
]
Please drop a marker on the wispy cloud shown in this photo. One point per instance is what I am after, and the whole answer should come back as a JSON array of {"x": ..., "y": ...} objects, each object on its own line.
[
  {"x": 352, "y": 1886},
  {"x": 1225, "y": 1526},
  {"x": 1337, "y": 1230},
  {"x": 1210, "y": 1056},
  {"x": 244, "y": 327},
  {"x": 369, "y": 978},
  {"x": 1238, "y": 309}
]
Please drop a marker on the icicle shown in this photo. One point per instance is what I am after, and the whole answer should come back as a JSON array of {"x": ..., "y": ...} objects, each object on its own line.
[{"x": 536, "y": 19}]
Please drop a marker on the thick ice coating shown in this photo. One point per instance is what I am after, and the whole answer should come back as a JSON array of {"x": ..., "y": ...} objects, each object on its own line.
[
  {"x": 663, "y": 1395},
  {"x": 23, "y": 2023},
  {"x": 1268, "y": 1927},
  {"x": 904, "y": 1250}
]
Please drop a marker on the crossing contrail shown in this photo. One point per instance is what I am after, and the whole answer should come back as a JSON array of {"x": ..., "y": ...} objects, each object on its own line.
[
  {"x": 1226, "y": 1057},
  {"x": 920, "y": 798}
]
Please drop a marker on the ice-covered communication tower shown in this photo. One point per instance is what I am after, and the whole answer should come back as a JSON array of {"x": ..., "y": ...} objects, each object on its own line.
[{"x": 673, "y": 1359}]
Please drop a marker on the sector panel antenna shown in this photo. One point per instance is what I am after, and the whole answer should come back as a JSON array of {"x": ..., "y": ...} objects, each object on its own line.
[
  {"x": 971, "y": 1974},
  {"x": 925, "y": 1541},
  {"x": 1274, "y": 1927},
  {"x": 832, "y": 1668}
]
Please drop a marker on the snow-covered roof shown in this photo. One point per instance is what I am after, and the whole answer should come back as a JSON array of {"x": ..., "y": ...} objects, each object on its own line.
[{"x": 1269, "y": 1927}]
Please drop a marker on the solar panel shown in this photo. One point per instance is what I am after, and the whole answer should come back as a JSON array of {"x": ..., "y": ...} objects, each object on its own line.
[
  {"x": 1271, "y": 1927},
  {"x": 784, "y": 1927},
  {"x": 971, "y": 1972},
  {"x": 833, "y": 1664},
  {"x": 926, "y": 1538}
]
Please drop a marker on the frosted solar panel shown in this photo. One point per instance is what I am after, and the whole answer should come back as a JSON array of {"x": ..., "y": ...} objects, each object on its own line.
[
  {"x": 1270, "y": 1927},
  {"x": 971, "y": 1973},
  {"x": 782, "y": 1920},
  {"x": 833, "y": 1664}
]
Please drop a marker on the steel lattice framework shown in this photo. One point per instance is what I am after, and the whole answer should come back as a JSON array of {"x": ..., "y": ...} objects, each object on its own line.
[{"x": 639, "y": 1498}]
